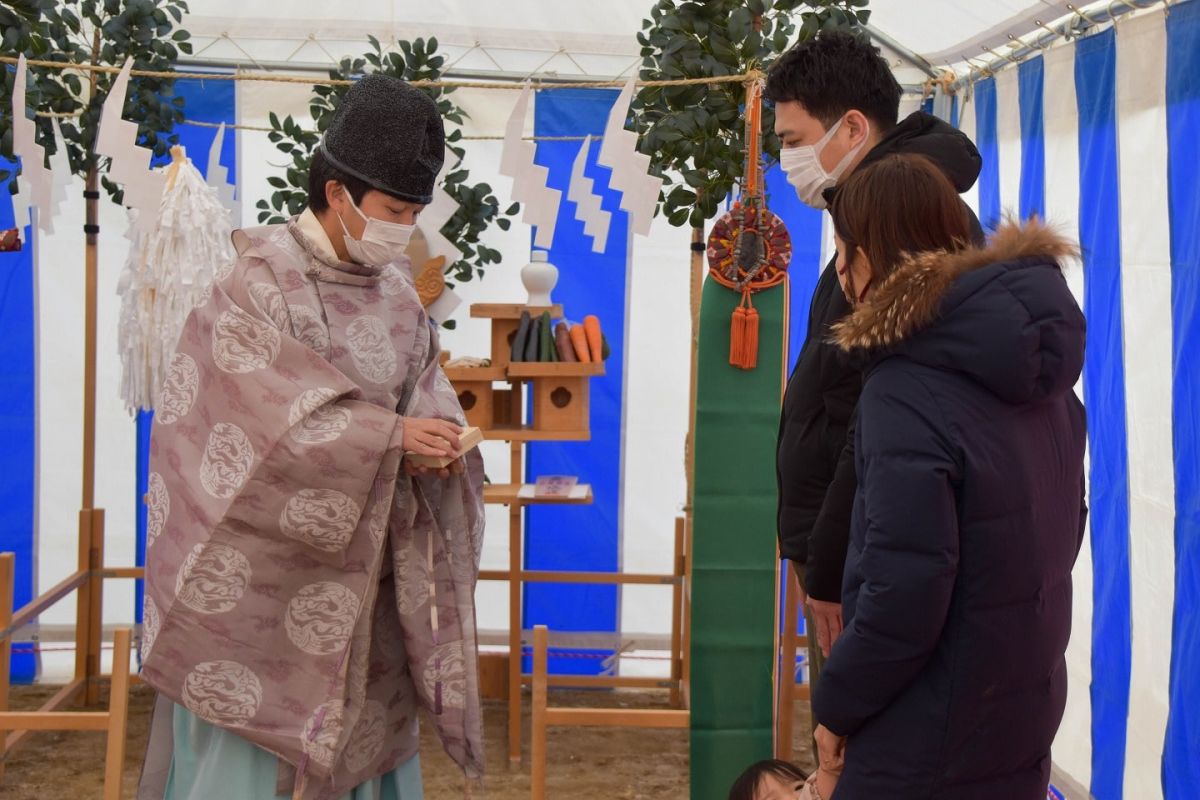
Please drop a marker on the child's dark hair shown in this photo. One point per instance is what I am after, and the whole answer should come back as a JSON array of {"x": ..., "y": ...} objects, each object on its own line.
[
  {"x": 745, "y": 787},
  {"x": 834, "y": 73}
]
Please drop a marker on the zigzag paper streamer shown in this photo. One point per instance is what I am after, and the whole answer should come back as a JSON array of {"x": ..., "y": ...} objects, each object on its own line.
[
  {"x": 218, "y": 175},
  {"x": 130, "y": 165},
  {"x": 438, "y": 213},
  {"x": 588, "y": 210},
  {"x": 21, "y": 202},
  {"x": 540, "y": 202},
  {"x": 61, "y": 176},
  {"x": 32, "y": 155},
  {"x": 630, "y": 168}
]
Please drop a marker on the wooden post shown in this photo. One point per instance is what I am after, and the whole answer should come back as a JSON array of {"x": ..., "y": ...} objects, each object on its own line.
[
  {"x": 91, "y": 522},
  {"x": 88, "y": 620},
  {"x": 6, "y": 600},
  {"x": 515, "y": 562},
  {"x": 677, "y": 619},
  {"x": 537, "y": 747},
  {"x": 118, "y": 710},
  {"x": 786, "y": 683},
  {"x": 83, "y": 599},
  {"x": 686, "y": 677}
]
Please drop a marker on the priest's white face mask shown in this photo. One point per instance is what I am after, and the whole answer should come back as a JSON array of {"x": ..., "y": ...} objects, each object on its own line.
[{"x": 381, "y": 242}]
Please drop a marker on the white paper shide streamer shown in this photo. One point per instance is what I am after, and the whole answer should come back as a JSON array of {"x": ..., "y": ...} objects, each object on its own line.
[
  {"x": 438, "y": 213},
  {"x": 540, "y": 202},
  {"x": 169, "y": 272},
  {"x": 218, "y": 175},
  {"x": 130, "y": 165},
  {"x": 35, "y": 184},
  {"x": 588, "y": 210},
  {"x": 630, "y": 168}
]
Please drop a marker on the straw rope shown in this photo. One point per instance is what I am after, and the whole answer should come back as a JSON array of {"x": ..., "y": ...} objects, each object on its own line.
[
  {"x": 232, "y": 126},
  {"x": 272, "y": 78}
]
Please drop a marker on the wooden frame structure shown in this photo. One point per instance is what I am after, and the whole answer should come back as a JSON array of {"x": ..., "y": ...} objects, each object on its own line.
[
  {"x": 789, "y": 689},
  {"x": 517, "y": 678},
  {"x": 48, "y": 717},
  {"x": 499, "y": 412},
  {"x": 544, "y": 716}
]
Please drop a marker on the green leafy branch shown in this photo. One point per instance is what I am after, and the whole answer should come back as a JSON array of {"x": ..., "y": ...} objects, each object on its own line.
[
  {"x": 694, "y": 134},
  {"x": 478, "y": 207},
  {"x": 101, "y": 32}
]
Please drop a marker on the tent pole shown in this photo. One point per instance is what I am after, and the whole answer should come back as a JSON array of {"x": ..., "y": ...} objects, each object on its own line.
[
  {"x": 907, "y": 53},
  {"x": 1072, "y": 26}
]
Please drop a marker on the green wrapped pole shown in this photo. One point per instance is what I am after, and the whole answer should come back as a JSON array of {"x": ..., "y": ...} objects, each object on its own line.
[{"x": 734, "y": 562}]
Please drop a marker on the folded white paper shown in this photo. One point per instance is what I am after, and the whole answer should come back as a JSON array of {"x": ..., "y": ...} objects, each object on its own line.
[
  {"x": 130, "y": 165},
  {"x": 439, "y": 212},
  {"x": 217, "y": 176},
  {"x": 33, "y": 157},
  {"x": 446, "y": 304},
  {"x": 630, "y": 168},
  {"x": 588, "y": 210},
  {"x": 539, "y": 202},
  {"x": 578, "y": 492}
]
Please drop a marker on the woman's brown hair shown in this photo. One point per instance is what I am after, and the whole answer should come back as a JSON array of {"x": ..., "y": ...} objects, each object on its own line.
[{"x": 899, "y": 205}]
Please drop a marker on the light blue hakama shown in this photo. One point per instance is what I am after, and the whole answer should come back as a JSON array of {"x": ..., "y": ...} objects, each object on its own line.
[{"x": 208, "y": 763}]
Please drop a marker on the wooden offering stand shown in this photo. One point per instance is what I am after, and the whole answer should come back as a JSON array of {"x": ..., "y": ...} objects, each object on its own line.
[
  {"x": 493, "y": 399},
  {"x": 561, "y": 391}
]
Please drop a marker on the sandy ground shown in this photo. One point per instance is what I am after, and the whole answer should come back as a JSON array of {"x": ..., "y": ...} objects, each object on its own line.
[{"x": 627, "y": 764}]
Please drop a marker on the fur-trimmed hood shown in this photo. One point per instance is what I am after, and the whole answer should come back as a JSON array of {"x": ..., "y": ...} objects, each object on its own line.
[{"x": 1003, "y": 314}]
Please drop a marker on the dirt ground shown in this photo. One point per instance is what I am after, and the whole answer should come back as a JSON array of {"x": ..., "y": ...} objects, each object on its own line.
[{"x": 626, "y": 764}]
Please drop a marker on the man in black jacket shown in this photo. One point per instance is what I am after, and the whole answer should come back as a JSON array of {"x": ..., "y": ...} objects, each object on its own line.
[{"x": 836, "y": 109}]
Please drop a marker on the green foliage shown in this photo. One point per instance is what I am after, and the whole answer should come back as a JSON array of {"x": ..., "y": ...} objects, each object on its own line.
[
  {"x": 66, "y": 31},
  {"x": 416, "y": 61},
  {"x": 695, "y": 135}
]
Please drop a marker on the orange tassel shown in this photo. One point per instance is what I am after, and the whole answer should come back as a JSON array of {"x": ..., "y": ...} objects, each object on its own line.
[
  {"x": 743, "y": 335},
  {"x": 737, "y": 337},
  {"x": 750, "y": 361}
]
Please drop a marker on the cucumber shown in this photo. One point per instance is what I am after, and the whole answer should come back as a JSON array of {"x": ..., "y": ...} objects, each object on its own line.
[
  {"x": 545, "y": 338},
  {"x": 518, "y": 343},
  {"x": 531, "y": 344}
]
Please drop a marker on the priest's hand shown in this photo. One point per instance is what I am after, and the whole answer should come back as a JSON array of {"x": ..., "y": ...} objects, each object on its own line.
[
  {"x": 431, "y": 437},
  {"x": 456, "y": 467}
]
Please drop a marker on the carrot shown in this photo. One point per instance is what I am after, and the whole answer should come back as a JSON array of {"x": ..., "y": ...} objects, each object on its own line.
[
  {"x": 579, "y": 341},
  {"x": 595, "y": 339}
]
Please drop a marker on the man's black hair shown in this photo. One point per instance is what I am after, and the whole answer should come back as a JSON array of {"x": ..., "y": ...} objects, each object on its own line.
[
  {"x": 320, "y": 172},
  {"x": 834, "y": 73}
]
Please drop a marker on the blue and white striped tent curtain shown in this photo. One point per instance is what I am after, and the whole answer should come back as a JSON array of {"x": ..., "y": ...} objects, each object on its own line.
[{"x": 1099, "y": 136}]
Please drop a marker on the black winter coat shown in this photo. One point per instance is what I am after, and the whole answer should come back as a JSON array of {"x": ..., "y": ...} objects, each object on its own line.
[
  {"x": 815, "y": 468},
  {"x": 949, "y": 678}
]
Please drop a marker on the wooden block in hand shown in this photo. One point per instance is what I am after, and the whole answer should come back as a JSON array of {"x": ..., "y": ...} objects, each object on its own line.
[{"x": 470, "y": 439}]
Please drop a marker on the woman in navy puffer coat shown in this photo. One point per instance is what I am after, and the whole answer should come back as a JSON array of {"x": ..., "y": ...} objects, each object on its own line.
[{"x": 949, "y": 682}]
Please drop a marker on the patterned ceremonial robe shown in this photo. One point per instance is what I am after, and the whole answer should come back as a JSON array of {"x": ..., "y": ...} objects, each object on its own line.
[{"x": 301, "y": 590}]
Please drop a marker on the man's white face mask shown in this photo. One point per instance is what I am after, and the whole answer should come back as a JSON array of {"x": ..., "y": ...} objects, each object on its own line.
[
  {"x": 804, "y": 170},
  {"x": 382, "y": 243}
]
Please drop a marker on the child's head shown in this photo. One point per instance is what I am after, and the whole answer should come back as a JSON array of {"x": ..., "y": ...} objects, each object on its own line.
[{"x": 768, "y": 780}]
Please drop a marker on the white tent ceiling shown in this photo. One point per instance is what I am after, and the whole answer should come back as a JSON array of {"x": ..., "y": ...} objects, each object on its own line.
[{"x": 569, "y": 38}]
